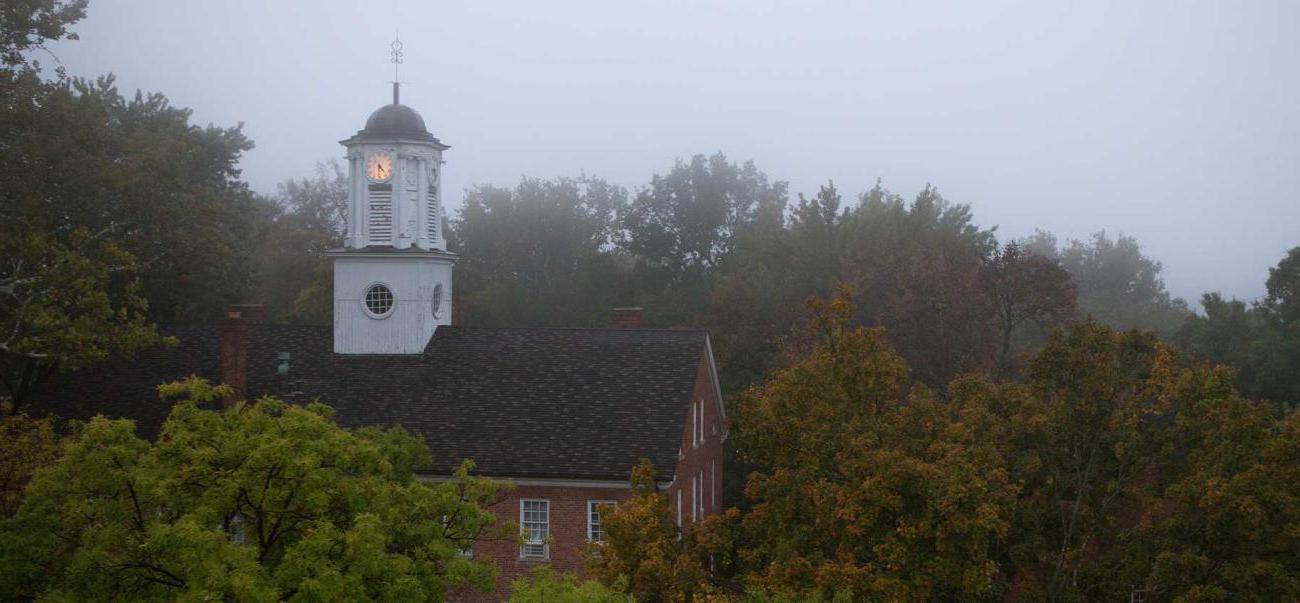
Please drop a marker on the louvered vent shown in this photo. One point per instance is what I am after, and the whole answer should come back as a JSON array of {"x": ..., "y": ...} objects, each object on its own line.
[
  {"x": 381, "y": 215},
  {"x": 431, "y": 213}
]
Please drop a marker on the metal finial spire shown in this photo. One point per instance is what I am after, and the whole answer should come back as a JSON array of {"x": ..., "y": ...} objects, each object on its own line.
[{"x": 397, "y": 63}]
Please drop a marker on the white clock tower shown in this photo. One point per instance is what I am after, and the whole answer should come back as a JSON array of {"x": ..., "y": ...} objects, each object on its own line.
[{"x": 392, "y": 279}]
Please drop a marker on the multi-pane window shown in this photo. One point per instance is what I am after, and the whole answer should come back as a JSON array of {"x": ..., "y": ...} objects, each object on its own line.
[
  {"x": 594, "y": 532},
  {"x": 679, "y": 507},
  {"x": 535, "y": 522},
  {"x": 695, "y": 427},
  {"x": 701, "y": 482},
  {"x": 694, "y": 500},
  {"x": 379, "y": 300},
  {"x": 701, "y": 427}
]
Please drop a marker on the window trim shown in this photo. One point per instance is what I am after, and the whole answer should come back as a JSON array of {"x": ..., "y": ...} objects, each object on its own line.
[
  {"x": 695, "y": 428},
  {"x": 591, "y": 511},
  {"x": 365, "y": 292},
  {"x": 436, "y": 300},
  {"x": 679, "y": 507},
  {"x": 703, "y": 511},
  {"x": 701, "y": 413},
  {"x": 694, "y": 502},
  {"x": 546, "y": 546}
]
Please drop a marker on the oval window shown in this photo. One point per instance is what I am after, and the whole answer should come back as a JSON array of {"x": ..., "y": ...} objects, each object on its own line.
[
  {"x": 379, "y": 300},
  {"x": 437, "y": 300}
]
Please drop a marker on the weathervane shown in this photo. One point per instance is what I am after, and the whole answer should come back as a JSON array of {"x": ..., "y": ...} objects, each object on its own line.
[{"x": 397, "y": 63}]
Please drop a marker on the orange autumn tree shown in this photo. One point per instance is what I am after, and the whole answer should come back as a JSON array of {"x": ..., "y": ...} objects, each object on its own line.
[
  {"x": 644, "y": 552},
  {"x": 1114, "y": 469},
  {"x": 868, "y": 491}
]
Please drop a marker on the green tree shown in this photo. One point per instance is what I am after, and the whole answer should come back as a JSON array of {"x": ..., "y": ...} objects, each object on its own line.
[
  {"x": 687, "y": 219},
  {"x": 685, "y": 222},
  {"x": 1283, "y": 287},
  {"x": 1025, "y": 289},
  {"x": 754, "y": 296},
  {"x": 26, "y": 444},
  {"x": 70, "y": 285},
  {"x": 1261, "y": 341},
  {"x": 817, "y": 238},
  {"x": 539, "y": 254},
  {"x": 28, "y": 24},
  {"x": 1227, "y": 333},
  {"x": 1117, "y": 285},
  {"x": 545, "y": 586},
  {"x": 258, "y": 501},
  {"x": 916, "y": 270},
  {"x": 307, "y": 219}
]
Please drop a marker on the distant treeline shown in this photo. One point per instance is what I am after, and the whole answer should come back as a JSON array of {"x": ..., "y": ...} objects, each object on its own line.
[
  {"x": 118, "y": 214},
  {"x": 717, "y": 245}
]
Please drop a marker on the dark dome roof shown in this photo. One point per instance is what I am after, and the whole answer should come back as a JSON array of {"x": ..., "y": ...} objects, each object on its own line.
[{"x": 396, "y": 120}]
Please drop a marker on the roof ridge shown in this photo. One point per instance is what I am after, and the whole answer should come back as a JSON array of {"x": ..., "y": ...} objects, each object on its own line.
[
  {"x": 217, "y": 323},
  {"x": 597, "y": 329}
]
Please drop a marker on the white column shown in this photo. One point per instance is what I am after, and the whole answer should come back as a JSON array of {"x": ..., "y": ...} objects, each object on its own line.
[
  {"x": 359, "y": 228},
  {"x": 438, "y": 242},
  {"x": 422, "y": 204},
  {"x": 399, "y": 200}
]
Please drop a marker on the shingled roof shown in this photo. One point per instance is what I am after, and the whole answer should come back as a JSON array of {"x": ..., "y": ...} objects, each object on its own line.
[{"x": 559, "y": 403}]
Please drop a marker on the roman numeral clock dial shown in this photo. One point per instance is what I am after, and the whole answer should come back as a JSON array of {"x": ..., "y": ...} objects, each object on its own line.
[{"x": 379, "y": 167}]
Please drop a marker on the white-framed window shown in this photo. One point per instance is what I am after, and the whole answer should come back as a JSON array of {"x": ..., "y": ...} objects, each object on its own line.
[
  {"x": 535, "y": 523},
  {"x": 694, "y": 500},
  {"x": 436, "y": 302},
  {"x": 695, "y": 427},
  {"x": 378, "y": 300},
  {"x": 700, "y": 414},
  {"x": 701, "y": 493},
  {"x": 679, "y": 507},
  {"x": 594, "y": 531}
]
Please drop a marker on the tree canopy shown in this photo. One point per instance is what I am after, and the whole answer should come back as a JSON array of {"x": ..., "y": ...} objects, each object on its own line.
[
  {"x": 115, "y": 212},
  {"x": 1115, "y": 469},
  {"x": 257, "y": 501},
  {"x": 1261, "y": 340}
]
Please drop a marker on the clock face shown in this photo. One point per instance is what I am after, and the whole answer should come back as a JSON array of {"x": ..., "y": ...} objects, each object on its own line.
[{"x": 379, "y": 166}]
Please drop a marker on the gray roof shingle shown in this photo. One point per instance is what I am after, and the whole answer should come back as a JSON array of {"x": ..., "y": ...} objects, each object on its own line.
[{"x": 562, "y": 403}]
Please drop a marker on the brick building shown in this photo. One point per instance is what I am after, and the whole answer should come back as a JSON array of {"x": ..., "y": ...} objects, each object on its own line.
[{"x": 562, "y": 413}]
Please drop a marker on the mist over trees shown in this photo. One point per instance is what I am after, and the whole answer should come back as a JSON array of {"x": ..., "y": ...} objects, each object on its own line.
[
  {"x": 1262, "y": 340},
  {"x": 959, "y": 417},
  {"x": 115, "y": 211},
  {"x": 718, "y": 245}
]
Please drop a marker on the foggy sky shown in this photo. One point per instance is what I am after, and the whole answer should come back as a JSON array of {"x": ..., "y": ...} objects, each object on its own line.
[{"x": 1175, "y": 121}]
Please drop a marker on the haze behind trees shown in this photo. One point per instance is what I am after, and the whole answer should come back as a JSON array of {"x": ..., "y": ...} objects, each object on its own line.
[
  {"x": 718, "y": 245},
  {"x": 1170, "y": 120},
  {"x": 126, "y": 235},
  {"x": 989, "y": 442}
]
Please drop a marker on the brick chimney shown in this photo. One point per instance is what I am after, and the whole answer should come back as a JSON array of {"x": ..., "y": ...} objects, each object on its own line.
[
  {"x": 236, "y": 333},
  {"x": 627, "y": 318}
]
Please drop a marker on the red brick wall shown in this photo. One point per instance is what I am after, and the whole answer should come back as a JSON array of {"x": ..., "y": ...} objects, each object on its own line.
[
  {"x": 568, "y": 525},
  {"x": 701, "y": 458},
  {"x": 699, "y": 467}
]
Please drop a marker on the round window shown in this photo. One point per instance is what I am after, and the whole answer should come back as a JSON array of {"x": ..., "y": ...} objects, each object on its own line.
[
  {"x": 437, "y": 300},
  {"x": 379, "y": 300}
]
